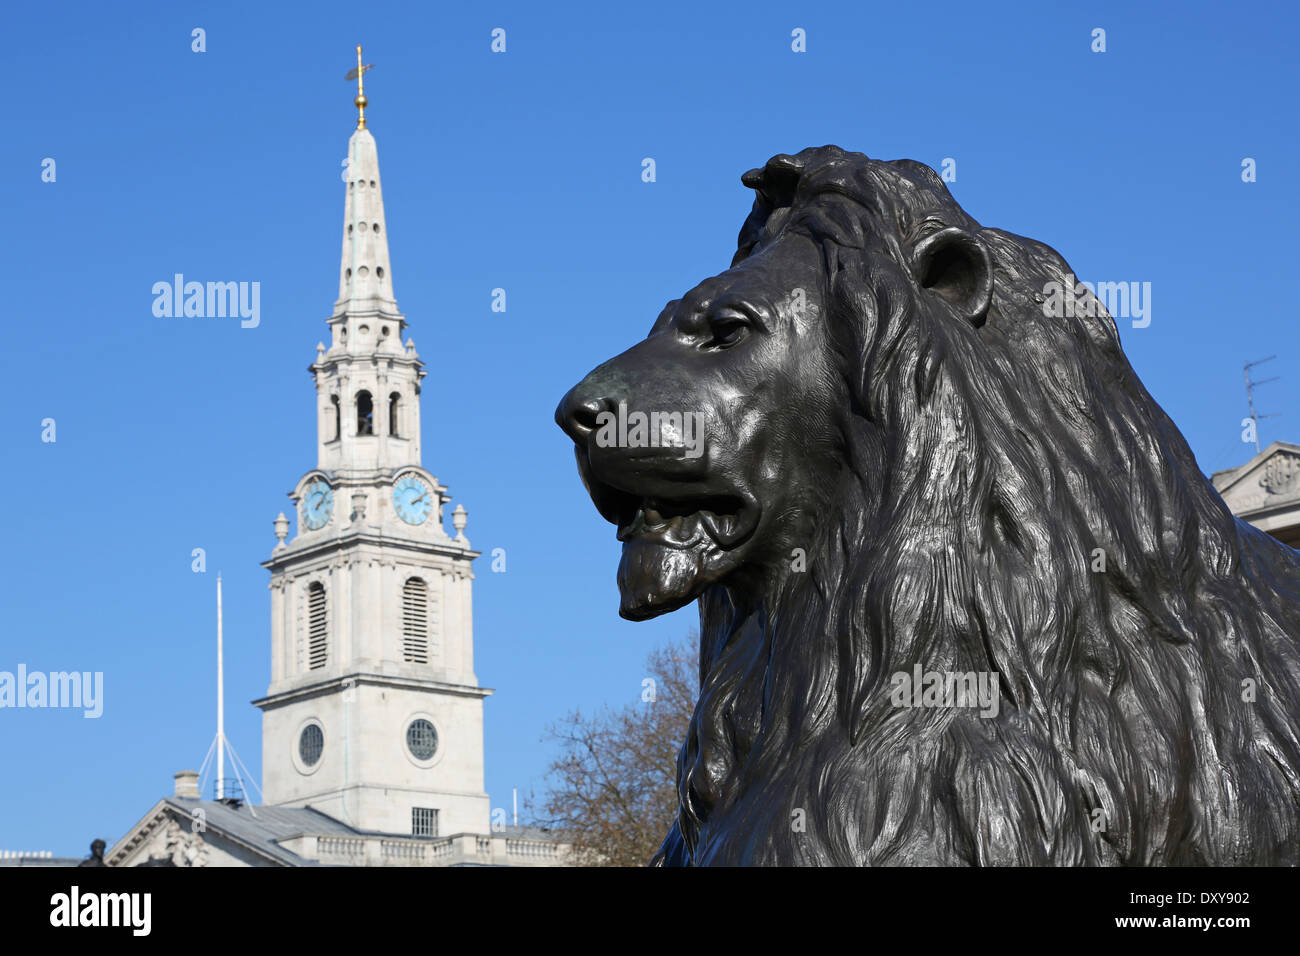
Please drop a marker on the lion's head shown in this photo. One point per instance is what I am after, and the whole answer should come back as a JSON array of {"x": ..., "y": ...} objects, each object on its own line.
[{"x": 870, "y": 448}]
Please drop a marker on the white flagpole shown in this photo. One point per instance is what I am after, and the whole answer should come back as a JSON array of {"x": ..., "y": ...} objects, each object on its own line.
[{"x": 221, "y": 708}]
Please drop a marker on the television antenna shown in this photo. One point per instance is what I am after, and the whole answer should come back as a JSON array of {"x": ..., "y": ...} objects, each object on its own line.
[{"x": 1250, "y": 393}]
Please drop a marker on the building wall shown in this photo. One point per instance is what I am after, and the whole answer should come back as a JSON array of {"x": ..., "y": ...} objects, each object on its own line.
[
  {"x": 1265, "y": 491},
  {"x": 366, "y": 776}
]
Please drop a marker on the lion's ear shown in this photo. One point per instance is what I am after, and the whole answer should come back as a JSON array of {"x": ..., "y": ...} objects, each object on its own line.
[{"x": 956, "y": 265}]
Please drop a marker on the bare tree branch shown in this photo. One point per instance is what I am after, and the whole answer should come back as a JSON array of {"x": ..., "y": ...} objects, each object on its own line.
[{"x": 612, "y": 788}]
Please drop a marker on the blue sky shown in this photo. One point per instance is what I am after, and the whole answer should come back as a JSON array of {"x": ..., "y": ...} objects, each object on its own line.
[{"x": 522, "y": 171}]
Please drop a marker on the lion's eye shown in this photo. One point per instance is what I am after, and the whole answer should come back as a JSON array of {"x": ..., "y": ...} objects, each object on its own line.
[{"x": 726, "y": 330}]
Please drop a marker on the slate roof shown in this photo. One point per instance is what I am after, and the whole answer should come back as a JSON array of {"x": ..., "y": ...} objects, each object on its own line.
[{"x": 260, "y": 827}]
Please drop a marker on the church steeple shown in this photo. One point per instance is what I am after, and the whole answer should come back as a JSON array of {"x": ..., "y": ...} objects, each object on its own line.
[
  {"x": 367, "y": 380},
  {"x": 374, "y": 714}
]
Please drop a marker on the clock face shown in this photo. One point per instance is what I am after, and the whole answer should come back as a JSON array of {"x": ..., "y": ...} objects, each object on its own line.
[
  {"x": 317, "y": 505},
  {"x": 412, "y": 499}
]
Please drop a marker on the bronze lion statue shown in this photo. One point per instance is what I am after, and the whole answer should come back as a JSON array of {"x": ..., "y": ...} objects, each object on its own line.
[{"x": 886, "y": 472}]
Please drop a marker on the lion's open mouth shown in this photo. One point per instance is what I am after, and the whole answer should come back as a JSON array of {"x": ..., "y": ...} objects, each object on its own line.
[
  {"x": 678, "y": 536},
  {"x": 674, "y": 548},
  {"x": 727, "y": 519},
  {"x": 724, "y": 518}
]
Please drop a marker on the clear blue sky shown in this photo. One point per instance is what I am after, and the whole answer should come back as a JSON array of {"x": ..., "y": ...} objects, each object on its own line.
[{"x": 522, "y": 171}]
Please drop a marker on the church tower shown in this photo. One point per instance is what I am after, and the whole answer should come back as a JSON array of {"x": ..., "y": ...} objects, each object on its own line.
[{"x": 374, "y": 715}]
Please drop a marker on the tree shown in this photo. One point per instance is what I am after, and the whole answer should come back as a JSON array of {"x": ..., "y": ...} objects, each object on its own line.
[{"x": 612, "y": 790}]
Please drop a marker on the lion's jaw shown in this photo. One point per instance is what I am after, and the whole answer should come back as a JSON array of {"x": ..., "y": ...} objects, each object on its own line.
[
  {"x": 679, "y": 534},
  {"x": 669, "y": 559},
  {"x": 735, "y": 511}
]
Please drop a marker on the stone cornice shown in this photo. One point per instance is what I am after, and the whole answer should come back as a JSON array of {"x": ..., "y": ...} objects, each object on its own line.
[
  {"x": 332, "y": 359},
  {"x": 296, "y": 554},
  {"x": 339, "y": 683}
]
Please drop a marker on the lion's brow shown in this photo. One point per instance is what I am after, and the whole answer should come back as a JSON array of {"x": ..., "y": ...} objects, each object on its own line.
[
  {"x": 739, "y": 302},
  {"x": 698, "y": 301}
]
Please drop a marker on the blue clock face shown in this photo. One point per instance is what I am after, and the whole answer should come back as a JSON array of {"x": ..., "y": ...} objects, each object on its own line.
[
  {"x": 412, "y": 499},
  {"x": 317, "y": 505}
]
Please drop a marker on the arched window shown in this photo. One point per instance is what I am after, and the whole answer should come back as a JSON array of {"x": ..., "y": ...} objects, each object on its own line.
[
  {"x": 415, "y": 621},
  {"x": 338, "y": 419},
  {"x": 365, "y": 414},
  {"x": 317, "y": 626},
  {"x": 393, "y": 401}
]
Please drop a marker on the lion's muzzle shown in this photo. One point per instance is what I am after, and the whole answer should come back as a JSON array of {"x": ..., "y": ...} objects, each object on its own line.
[{"x": 642, "y": 456}]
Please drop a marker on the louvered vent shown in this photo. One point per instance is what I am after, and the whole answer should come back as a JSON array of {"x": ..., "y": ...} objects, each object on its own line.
[
  {"x": 317, "y": 626},
  {"x": 415, "y": 621}
]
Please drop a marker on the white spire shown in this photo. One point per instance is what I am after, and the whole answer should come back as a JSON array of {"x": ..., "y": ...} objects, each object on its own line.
[
  {"x": 368, "y": 410},
  {"x": 365, "y": 276}
]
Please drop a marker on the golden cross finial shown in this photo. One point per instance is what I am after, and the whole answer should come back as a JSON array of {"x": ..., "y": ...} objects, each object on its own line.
[{"x": 361, "y": 100}]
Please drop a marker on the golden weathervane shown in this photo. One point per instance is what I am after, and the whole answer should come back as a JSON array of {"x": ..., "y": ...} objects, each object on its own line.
[{"x": 357, "y": 74}]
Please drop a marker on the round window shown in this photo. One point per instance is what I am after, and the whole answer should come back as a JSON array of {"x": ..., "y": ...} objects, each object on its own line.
[
  {"x": 421, "y": 739},
  {"x": 311, "y": 744}
]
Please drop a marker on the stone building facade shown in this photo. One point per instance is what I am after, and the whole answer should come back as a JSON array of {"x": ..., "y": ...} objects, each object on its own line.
[{"x": 1266, "y": 491}]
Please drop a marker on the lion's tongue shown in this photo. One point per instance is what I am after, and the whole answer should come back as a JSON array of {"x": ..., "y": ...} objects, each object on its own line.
[{"x": 654, "y": 577}]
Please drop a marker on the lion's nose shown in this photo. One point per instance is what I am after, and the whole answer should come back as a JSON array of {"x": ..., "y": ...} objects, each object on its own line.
[{"x": 577, "y": 413}]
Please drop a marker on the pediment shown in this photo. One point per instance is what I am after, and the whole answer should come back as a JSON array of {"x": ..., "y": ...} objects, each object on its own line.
[{"x": 1270, "y": 480}]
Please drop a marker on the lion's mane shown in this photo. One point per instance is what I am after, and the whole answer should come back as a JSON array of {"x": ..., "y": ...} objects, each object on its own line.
[{"x": 1149, "y": 710}]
